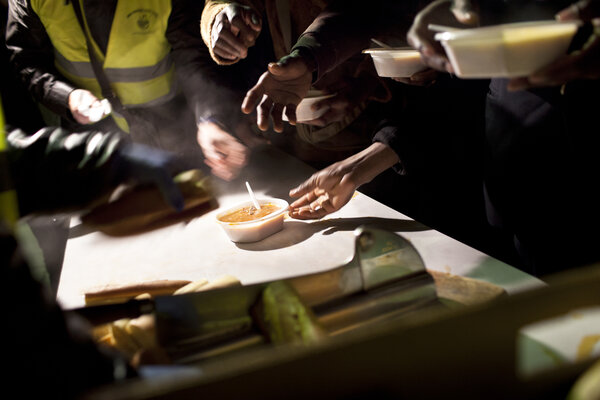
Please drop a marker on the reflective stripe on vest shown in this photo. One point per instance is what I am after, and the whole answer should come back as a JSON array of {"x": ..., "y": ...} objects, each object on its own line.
[
  {"x": 137, "y": 60},
  {"x": 9, "y": 209}
]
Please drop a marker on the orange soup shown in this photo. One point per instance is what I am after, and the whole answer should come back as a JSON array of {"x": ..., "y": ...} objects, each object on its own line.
[{"x": 249, "y": 213}]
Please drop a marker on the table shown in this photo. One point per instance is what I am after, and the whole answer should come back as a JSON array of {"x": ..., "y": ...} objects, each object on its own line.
[{"x": 201, "y": 250}]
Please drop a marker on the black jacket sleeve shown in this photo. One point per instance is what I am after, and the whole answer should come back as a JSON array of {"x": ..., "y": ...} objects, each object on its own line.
[
  {"x": 54, "y": 170},
  {"x": 32, "y": 56},
  {"x": 345, "y": 27}
]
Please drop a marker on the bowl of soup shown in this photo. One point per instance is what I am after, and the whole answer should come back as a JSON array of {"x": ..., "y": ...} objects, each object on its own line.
[
  {"x": 507, "y": 50},
  {"x": 245, "y": 223},
  {"x": 396, "y": 62}
]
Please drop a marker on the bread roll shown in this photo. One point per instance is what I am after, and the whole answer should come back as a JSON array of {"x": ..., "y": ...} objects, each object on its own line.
[{"x": 143, "y": 208}]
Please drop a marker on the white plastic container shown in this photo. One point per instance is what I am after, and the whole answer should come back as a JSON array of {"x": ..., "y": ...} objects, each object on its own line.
[
  {"x": 396, "y": 63},
  {"x": 508, "y": 50},
  {"x": 304, "y": 111},
  {"x": 253, "y": 231}
]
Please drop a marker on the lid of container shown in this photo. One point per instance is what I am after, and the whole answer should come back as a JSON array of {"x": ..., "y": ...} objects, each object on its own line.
[
  {"x": 388, "y": 50},
  {"x": 495, "y": 31}
]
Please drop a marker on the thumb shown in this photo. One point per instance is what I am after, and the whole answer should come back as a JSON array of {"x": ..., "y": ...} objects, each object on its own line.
[{"x": 290, "y": 65}]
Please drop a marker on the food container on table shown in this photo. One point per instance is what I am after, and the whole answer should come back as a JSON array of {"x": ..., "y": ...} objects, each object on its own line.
[
  {"x": 396, "y": 62},
  {"x": 304, "y": 111},
  {"x": 507, "y": 50},
  {"x": 258, "y": 229}
]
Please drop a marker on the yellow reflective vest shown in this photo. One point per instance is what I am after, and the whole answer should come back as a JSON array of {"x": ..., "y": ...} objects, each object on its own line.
[
  {"x": 9, "y": 210},
  {"x": 137, "y": 62}
]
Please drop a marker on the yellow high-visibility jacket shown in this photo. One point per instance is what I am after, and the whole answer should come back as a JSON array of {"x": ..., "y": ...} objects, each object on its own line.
[{"x": 137, "y": 62}]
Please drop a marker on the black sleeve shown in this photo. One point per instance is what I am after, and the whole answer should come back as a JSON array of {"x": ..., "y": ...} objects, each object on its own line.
[
  {"x": 388, "y": 134},
  {"x": 32, "y": 56},
  {"x": 54, "y": 170},
  {"x": 211, "y": 90},
  {"x": 345, "y": 27}
]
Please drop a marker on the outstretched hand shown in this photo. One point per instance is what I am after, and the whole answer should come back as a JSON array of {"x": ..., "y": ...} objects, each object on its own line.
[
  {"x": 280, "y": 88},
  {"x": 223, "y": 152},
  {"x": 323, "y": 193}
]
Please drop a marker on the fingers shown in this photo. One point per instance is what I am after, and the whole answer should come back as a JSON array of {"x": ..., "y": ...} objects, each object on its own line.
[
  {"x": 436, "y": 60},
  {"x": 276, "y": 114},
  {"x": 225, "y": 51},
  {"x": 227, "y": 42},
  {"x": 302, "y": 189},
  {"x": 223, "y": 153},
  {"x": 432, "y": 57},
  {"x": 80, "y": 101},
  {"x": 290, "y": 113},
  {"x": 310, "y": 207},
  {"x": 262, "y": 113},
  {"x": 252, "y": 19},
  {"x": 246, "y": 34},
  {"x": 224, "y": 172},
  {"x": 254, "y": 95}
]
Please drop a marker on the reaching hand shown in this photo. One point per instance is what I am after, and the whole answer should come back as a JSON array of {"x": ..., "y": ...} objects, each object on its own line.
[
  {"x": 234, "y": 30},
  {"x": 80, "y": 101},
  {"x": 581, "y": 64},
  {"x": 324, "y": 192},
  {"x": 223, "y": 153},
  {"x": 282, "y": 86},
  {"x": 442, "y": 12}
]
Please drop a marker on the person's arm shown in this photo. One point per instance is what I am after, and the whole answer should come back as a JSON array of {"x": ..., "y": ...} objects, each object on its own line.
[
  {"x": 331, "y": 188},
  {"x": 54, "y": 170},
  {"x": 344, "y": 28},
  {"x": 340, "y": 31},
  {"x": 32, "y": 56},
  {"x": 213, "y": 92}
]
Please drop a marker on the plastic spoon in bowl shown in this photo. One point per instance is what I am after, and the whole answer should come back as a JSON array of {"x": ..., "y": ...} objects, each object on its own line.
[{"x": 252, "y": 197}]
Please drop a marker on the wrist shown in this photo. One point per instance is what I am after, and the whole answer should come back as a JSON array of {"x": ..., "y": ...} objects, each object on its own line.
[
  {"x": 372, "y": 161},
  {"x": 306, "y": 56}
]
